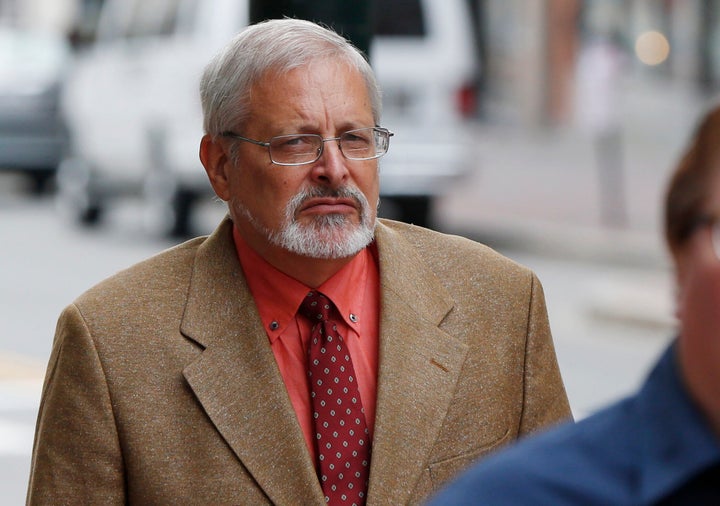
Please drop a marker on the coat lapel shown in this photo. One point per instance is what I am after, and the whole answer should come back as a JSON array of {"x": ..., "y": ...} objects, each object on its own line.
[
  {"x": 418, "y": 368},
  {"x": 237, "y": 380}
]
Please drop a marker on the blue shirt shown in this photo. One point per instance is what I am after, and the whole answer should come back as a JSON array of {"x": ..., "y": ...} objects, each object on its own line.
[{"x": 636, "y": 452}]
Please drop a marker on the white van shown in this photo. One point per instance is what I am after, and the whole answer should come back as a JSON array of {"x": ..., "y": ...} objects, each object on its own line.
[{"x": 133, "y": 110}]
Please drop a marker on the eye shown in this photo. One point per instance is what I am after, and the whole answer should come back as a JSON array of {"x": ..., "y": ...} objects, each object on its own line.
[
  {"x": 295, "y": 143},
  {"x": 356, "y": 139}
]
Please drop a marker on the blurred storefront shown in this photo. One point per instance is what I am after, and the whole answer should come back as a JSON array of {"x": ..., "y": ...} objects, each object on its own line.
[
  {"x": 529, "y": 48},
  {"x": 532, "y": 49}
]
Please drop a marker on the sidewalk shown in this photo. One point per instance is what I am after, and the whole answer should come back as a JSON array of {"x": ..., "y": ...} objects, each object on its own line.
[
  {"x": 539, "y": 191},
  {"x": 541, "y": 187}
]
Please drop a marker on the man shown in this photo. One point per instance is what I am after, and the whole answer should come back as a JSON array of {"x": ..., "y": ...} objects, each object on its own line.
[
  {"x": 197, "y": 377},
  {"x": 662, "y": 445}
]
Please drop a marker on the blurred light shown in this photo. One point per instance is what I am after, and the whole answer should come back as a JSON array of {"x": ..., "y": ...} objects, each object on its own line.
[{"x": 652, "y": 48}]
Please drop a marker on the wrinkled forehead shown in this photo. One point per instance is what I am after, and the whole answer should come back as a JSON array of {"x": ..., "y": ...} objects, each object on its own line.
[
  {"x": 312, "y": 74},
  {"x": 331, "y": 83}
]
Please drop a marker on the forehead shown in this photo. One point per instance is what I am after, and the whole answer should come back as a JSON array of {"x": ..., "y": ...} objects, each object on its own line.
[{"x": 323, "y": 92}]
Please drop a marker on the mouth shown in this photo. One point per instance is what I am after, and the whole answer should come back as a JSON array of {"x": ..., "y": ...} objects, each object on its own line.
[{"x": 329, "y": 205}]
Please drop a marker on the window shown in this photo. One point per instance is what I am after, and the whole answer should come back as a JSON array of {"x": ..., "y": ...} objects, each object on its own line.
[{"x": 399, "y": 18}]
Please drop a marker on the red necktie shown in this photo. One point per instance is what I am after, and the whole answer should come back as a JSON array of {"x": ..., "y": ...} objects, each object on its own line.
[{"x": 342, "y": 439}]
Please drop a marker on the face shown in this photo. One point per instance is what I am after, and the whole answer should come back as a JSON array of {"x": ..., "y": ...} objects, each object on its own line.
[
  {"x": 326, "y": 209},
  {"x": 699, "y": 313}
]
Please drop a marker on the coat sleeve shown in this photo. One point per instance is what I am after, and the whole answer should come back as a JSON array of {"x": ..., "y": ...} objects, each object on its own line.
[
  {"x": 76, "y": 455},
  {"x": 545, "y": 401}
]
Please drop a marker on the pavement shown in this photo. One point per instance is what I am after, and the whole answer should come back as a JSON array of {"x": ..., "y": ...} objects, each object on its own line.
[{"x": 545, "y": 191}]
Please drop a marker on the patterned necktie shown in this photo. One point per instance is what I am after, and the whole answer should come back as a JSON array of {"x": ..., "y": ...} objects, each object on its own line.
[{"x": 341, "y": 435}]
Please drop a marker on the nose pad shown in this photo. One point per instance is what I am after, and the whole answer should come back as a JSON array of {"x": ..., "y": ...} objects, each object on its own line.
[
  {"x": 331, "y": 166},
  {"x": 334, "y": 151}
]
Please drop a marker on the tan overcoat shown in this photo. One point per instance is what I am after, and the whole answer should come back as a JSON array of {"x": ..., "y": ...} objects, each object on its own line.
[{"x": 162, "y": 387}]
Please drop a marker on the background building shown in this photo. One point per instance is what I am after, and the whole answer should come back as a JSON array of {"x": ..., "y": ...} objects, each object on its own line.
[{"x": 529, "y": 48}]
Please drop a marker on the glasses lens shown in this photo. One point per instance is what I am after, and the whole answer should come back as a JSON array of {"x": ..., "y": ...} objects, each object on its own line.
[
  {"x": 364, "y": 143},
  {"x": 295, "y": 149}
]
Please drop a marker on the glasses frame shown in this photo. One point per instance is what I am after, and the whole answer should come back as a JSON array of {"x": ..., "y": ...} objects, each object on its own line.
[{"x": 338, "y": 139}]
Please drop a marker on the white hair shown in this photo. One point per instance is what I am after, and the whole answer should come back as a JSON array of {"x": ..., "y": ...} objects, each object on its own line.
[{"x": 277, "y": 45}]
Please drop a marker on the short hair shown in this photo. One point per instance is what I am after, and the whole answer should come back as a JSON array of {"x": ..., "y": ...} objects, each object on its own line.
[
  {"x": 688, "y": 190},
  {"x": 278, "y": 45}
]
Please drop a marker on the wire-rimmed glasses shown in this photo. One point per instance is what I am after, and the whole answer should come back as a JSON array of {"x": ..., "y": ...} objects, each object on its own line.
[{"x": 301, "y": 149}]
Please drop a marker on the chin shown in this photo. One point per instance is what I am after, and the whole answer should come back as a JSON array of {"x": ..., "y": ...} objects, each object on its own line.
[{"x": 331, "y": 237}]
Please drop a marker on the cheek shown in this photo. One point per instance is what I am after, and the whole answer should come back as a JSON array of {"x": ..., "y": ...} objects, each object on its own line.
[
  {"x": 699, "y": 308},
  {"x": 368, "y": 181},
  {"x": 262, "y": 184},
  {"x": 271, "y": 196},
  {"x": 700, "y": 337}
]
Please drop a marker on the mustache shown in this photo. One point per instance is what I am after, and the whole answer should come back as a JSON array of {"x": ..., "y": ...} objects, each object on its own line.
[{"x": 344, "y": 192}]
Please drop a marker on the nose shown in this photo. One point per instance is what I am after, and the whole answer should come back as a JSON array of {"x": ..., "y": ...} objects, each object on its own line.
[{"x": 331, "y": 168}]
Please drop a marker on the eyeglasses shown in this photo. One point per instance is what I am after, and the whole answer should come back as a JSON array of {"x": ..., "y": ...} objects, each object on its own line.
[{"x": 300, "y": 149}]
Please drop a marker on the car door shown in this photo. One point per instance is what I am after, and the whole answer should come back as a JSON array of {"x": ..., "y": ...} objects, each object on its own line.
[{"x": 116, "y": 90}]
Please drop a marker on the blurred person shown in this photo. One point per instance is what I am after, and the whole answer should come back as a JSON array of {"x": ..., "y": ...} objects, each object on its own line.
[
  {"x": 598, "y": 106},
  {"x": 194, "y": 376},
  {"x": 660, "y": 446}
]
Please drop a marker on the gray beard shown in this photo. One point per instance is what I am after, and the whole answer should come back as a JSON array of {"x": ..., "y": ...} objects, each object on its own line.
[{"x": 329, "y": 236}]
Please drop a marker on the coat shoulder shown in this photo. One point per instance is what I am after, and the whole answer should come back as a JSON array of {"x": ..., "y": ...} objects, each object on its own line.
[
  {"x": 167, "y": 270},
  {"x": 447, "y": 251}
]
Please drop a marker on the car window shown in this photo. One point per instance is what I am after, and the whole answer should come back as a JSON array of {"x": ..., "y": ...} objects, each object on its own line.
[{"x": 399, "y": 18}]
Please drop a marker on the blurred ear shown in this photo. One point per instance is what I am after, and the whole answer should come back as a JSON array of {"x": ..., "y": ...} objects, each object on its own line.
[
  {"x": 681, "y": 258},
  {"x": 215, "y": 159}
]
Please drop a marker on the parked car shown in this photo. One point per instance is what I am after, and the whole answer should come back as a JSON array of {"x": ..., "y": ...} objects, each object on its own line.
[
  {"x": 32, "y": 133},
  {"x": 133, "y": 107}
]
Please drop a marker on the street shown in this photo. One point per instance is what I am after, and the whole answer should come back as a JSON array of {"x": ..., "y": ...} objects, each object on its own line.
[{"x": 609, "y": 320}]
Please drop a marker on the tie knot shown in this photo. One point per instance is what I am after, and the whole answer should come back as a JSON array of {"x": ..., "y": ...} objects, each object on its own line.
[{"x": 317, "y": 307}]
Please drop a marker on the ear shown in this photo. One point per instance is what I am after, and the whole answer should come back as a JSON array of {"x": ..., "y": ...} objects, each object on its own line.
[
  {"x": 215, "y": 159},
  {"x": 683, "y": 263}
]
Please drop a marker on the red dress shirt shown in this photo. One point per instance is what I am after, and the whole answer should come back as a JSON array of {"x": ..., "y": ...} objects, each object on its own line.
[{"x": 355, "y": 290}]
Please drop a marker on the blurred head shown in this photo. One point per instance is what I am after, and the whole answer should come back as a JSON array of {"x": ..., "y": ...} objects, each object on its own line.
[
  {"x": 691, "y": 196},
  {"x": 282, "y": 78},
  {"x": 692, "y": 211}
]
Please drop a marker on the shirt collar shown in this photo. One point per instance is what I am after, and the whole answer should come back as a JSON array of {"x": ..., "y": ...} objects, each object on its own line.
[{"x": 278, "y": 296}]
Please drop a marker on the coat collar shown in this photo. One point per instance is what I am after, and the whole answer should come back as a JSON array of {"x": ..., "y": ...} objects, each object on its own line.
[{"x": 240, "y": 387}]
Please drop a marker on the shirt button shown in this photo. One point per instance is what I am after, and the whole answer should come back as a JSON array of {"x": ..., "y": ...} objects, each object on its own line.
[
  {"x": 274, "y": 325},
  {"x": 353, "y": 317}
]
